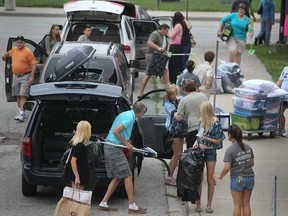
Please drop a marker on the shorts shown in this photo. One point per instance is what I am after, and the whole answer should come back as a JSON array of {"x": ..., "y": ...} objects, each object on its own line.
[
  {"x": 240, "y": 183},
  {"x": 235, "y": 44},
  {"x": 20, "y": 85},
  {"x": 210, "y": 155}
]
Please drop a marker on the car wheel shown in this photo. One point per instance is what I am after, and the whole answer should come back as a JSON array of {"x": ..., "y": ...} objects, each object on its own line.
[{"x": 28, "y": 189}]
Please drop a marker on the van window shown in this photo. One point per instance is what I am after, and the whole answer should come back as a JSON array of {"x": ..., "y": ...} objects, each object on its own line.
[{"x": 122, "y": 62}]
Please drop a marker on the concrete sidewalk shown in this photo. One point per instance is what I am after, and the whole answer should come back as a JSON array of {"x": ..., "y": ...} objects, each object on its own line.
[
  {"x": 270, "y": 153},
  {"x": 59, "y": 12}
]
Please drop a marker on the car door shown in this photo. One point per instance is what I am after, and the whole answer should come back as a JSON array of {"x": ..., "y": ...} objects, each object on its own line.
[
  {"x": 153, "y": 124},
  {"x": 40, "y": 57},
  {"x": 163, "y": 20},
  {"x": 143, "y": 29}
]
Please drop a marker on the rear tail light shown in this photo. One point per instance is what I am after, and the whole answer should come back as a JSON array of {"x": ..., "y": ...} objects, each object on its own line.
[
  {"x": 126, "y": 48},
  {"x": 26, "y": 146}
]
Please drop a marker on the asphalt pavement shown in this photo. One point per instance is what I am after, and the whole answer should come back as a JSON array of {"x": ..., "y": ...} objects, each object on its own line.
[{"x": 270, "y": 153}]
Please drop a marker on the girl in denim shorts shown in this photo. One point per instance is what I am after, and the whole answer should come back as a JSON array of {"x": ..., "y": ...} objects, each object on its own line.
[
  {"x": 210, "y": 140},
  {"x": 239, "y": 160}
]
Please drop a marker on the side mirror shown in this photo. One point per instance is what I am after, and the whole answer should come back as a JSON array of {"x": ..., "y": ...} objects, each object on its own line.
[
  {"x": 134, "y": 64},
  {"x": 28, "y": 105}
]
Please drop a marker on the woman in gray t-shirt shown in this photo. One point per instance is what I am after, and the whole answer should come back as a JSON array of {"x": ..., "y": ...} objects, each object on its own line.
[{"x": 239, "y": 160}]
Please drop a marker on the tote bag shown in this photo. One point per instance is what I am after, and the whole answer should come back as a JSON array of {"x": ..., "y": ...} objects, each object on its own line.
[{"x": 158, "y": 64}]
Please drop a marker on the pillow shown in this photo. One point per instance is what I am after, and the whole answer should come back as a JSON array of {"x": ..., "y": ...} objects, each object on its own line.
[
  {"x": 260, "y": 85},
  {"x": 277, "y": 93}
]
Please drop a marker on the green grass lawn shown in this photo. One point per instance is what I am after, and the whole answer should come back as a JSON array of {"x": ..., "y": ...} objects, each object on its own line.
[
  {"x": 194, "y": 5},
  {"x": 274, "y": 58}
]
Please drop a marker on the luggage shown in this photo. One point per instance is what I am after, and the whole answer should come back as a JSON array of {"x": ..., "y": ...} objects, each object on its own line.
[
  {"x": 226, "y": 32},
  {"x": 158, "y": 64},
  {"x": 231, "y": 75}
]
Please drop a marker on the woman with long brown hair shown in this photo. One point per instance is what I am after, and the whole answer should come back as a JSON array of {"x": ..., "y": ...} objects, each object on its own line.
[
  {"x": 52, "y": 38},
  {"x": 239, "y": 160}
]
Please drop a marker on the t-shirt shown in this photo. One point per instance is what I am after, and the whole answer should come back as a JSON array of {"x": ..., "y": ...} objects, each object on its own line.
[
  {"x": 239, "y": 26},
  {"x": 240, "y": 160},
  {"x": 22, "y": 60},
  {"x": 157, "y": 39},
  {"x": 189, "y": 76},
  {"x": 176, "y": 34},
  {"x": 189, "y": 107},
  {"x": 205, "y": 74},
  {"x": 83, "y": 38},
  {"x": 284, "y": 78},
  {"x": 127, "y": 119},
  {"x": 80, "y": 152}
]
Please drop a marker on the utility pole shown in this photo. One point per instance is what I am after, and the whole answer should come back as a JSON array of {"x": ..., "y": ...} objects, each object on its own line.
[
  {"x": 10, "y": 5},
  {"x": 281, "y": 26}
]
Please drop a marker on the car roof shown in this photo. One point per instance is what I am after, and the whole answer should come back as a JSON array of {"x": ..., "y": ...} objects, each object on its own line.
[{"x": 102, "y": 48}]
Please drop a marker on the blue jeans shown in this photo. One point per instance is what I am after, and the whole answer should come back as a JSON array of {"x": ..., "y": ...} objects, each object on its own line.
[
  {"x": 240, "y": 183},
  {"x": 266, "y": 27}
]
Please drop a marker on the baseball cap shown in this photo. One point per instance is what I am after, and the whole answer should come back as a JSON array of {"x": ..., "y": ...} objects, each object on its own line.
[{"x": 20, "y": 37}]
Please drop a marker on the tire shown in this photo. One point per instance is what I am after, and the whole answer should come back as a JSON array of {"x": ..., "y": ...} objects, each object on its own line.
[{"x": 28, "y": 189}]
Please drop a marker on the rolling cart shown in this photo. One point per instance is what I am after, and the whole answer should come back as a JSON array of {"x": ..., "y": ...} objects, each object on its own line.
[{"x": 258, "y": 120}]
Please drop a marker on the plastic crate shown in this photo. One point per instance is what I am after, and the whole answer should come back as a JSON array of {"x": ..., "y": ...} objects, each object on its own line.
[
  {"x": 250, "y": 94},
  {"x": 249, "y": 112},
  {"x": 248, "y": 104},
  {"x": 224, "y": 119},
  {"x": 273, "y": 105},
  {"x": 245, "y": 122},
  {"x": 269, "y": 122}
]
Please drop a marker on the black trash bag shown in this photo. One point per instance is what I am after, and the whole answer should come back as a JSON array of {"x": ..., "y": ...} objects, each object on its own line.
[
  {"x": 231, "y": 76},
  {"x": 95, "y": 157},
  {"x": 190, "y": 170}
]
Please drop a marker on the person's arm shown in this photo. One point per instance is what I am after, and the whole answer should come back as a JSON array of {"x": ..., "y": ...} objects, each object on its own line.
[
  {"x": 188, "y": 24},
  {"x": 32, "y": 77},
  {"x": 47, "y": 44},
  {"x": 225, "y": 170},
  {"x": 222, "y": 21},
  {"x": 212, "y": 140},
  {"x": 252, "y": 162},
  {"x": 151, "y": 44},
  {"x": 279, "y": 83},
  {"x": 6, "y": 55},
  {"x": 75, "y": 170},
  {"x": 117, "y": 132}
]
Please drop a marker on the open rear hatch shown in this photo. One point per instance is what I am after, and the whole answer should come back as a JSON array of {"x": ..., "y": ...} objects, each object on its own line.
[{"x": 93, "y": 10}]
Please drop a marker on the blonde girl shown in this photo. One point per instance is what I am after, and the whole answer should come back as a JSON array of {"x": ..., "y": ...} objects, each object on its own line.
[
  {"x": 79, "y": 156},
  {"x": 211, "y": 140},
  {"x": 171, "y": 105}
]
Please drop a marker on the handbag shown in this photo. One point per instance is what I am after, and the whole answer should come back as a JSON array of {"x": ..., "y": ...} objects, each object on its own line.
[
  {"x": 260, "y": 9},
  {"x": 70, "y": 207},
  {"x": 77, "y": 195},
  {"x": 42, "y": 43},
  {"x": 192, "y": 40},
  {"x": 158, "y": 64},
  {"x": 64, "y": 173},
  {"x": 178, "y": 128}
]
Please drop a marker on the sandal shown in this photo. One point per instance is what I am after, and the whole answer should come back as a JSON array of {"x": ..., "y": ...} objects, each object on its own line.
[
  {"x": 198, "y": 209},
  {"x": 209, "y": 210}
]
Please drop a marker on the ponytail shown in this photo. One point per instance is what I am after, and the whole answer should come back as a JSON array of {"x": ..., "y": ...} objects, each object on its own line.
[{"x": 236, "y": 133}]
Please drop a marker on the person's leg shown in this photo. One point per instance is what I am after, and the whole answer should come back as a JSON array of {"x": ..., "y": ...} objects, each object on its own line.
[
  {"x": 143, "y": 84},
  {"x": 177, "y": 148},
  {"x": 238, "y": 202},
  {"x": 238, "y": 58},
  {"x": 198, "y": 202},
  {"x": 191, "y": 138},
  {"x": 129, "y": 189},
  {"x": 166, "y": 80},
  {"x": 111, "y": 188},
  {"x": 23, "y": 100},
  {"x": 246, "y": 202},
  {"x": 268, "y": 28},
  {"x": 19, "y": 102},
  {"x": 185, "y": 49},
  {"x": 262, "y": 31},
  {"x": 283, "y": 120},
  {"x": 210, "y": 181}
]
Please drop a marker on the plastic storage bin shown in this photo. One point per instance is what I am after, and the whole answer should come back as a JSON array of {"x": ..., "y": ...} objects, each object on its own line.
[
  {"x": 269, "y": 122},
  {"x": 250, "y": 94},
  {"x": 245, "y": 122},
  {"x": 249, "y": 112},
  {"x": 273, "y": 105},
  {"x": 248, "y": 104}
]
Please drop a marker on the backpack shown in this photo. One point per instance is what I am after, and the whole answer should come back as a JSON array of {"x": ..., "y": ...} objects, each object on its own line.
[
  {"x": 42, "y": 43},
  {"x": 227, "y": 31}
]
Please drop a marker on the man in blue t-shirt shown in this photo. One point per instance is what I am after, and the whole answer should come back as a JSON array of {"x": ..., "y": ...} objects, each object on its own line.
[{"x": 117, "y": 165}]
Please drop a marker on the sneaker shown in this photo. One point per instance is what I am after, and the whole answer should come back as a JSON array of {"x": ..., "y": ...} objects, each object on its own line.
[
  {"x": 138, "y": 211},
  {"x": 170, "y": 181},
  {"x": 20, "y": 117},
  {"x": 285, "y": 134}
]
